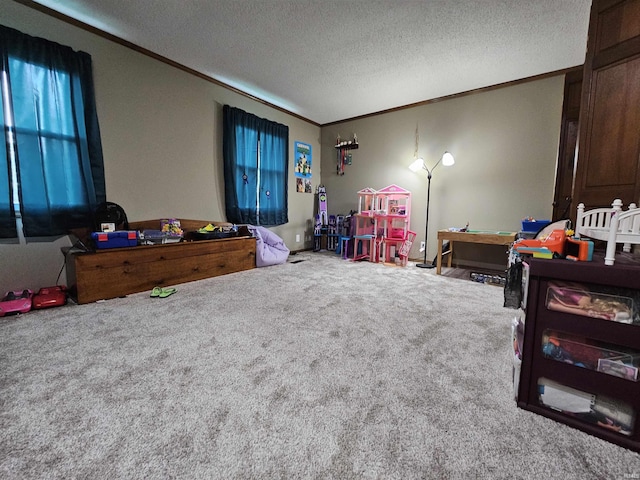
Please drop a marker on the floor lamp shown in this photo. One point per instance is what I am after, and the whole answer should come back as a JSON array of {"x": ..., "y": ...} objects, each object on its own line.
[{"x": 447, "y": 160}]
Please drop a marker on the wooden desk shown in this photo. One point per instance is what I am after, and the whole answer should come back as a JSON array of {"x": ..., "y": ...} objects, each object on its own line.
[{"x": 472, "y": 236}]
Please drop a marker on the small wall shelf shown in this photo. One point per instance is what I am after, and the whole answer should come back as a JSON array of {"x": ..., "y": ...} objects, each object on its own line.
[
  {"x": 348, "y": 146},
  {"x": 342, "y": 148}
]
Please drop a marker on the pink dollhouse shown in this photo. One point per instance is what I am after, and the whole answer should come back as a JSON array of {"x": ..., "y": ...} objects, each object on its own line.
[
  {"x": 382, "y": 225},
  {"x": 365, "y": 225}
]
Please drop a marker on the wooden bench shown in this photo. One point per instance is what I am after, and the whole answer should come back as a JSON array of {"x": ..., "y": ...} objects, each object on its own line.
[{"x": 117, "y": 272}]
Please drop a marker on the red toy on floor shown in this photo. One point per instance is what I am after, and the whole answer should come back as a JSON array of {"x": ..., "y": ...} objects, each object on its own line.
[
  {"x": 50, "y": 297},
  {"x": 16, "y": 302}
]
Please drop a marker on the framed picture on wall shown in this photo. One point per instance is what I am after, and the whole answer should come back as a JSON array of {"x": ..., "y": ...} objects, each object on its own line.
[{"x": 302, "y": 167}]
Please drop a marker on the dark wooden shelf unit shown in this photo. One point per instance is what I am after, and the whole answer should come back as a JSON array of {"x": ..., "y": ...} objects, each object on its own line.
[{"x": 539, "y": 319}]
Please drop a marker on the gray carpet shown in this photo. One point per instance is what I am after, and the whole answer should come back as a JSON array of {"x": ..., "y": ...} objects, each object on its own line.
[{"x": 319, "y": 368}]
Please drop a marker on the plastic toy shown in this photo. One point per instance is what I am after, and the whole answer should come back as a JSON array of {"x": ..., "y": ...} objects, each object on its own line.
[
  {"x": 611, "y": 225},
  {"x": 579, "y": 249},
  {"x": 16, "y": 302},
  {"x": 50, "y": 297},
  {"x": 577, "y": 300},
  {"x": 322, "y": 205},
  {"x": 332, "y": 233},
  {"x": 321, "y": 227},
  {"x": 317, "y": 234},
  {"x": 553, "y": 243}
]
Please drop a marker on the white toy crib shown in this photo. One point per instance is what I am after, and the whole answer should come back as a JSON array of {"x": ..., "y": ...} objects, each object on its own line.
[{"x": 611, "y": 225}]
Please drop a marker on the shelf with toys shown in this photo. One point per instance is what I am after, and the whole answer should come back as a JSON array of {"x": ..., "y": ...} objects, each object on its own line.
[
  {"x": 579, "y": 343},
  {"x": 116, "y": 272}
]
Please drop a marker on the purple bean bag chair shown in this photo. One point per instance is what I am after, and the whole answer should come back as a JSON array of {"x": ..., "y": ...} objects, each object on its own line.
[{"x": 270, "y": 248}]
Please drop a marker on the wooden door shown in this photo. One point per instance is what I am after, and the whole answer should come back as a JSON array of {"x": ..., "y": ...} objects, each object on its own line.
[
  {"x": 563, "y": 194},
  {"x": 609, "y": 144}
]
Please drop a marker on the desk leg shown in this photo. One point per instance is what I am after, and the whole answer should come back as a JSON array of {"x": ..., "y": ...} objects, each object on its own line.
[
  {"x": 439, "y": 258},
  {"x": 450, "y": 254}
]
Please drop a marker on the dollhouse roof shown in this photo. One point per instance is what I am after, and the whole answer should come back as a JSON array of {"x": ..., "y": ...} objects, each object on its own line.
[
  {"x": 394, "y": 189},
  {"x": 367, "y": 191}
]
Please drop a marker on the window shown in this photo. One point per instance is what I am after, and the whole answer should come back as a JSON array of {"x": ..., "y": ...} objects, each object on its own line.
[
  {"x": 52, "y": 168},
  {"x": 256, "y": 161}
]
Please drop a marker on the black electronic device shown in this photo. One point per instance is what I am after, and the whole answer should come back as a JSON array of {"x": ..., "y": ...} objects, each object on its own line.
[{"x": 110, "y": 214}]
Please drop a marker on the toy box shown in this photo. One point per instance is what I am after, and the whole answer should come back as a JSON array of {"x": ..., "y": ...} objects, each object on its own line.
[
  {"x": 580, "y": 300},
  {"x": 153, "y": 237},
  {"x": 214, "y": 235},
  {"x": 532, "y": 225},
  {"x": 591, "y": 354},
  {"x": 624, "y": 366},
  {"x": 120, "y": 238},
  {"x": 171, "y": 227},
  {"x": 597, "y": 409}
]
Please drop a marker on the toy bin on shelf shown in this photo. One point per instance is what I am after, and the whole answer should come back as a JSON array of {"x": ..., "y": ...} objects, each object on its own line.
[
  {"x": 153, "y": 237},
  {"x": 533, "y": 226},
  {"x": 117, "y": 239},
  {"x": 591, "y": 354},
  {"x": 214, "y": 235},
  {"x": 579, "y": 299}
]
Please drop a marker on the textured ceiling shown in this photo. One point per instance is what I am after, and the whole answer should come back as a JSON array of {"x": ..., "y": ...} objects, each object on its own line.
[{"x": 330, "y": 60}]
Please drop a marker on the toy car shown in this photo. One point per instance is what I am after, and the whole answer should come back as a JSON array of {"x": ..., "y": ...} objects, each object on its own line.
[
  {"x": 16, "y": 302},
  {"x": 50, "y": 297}
]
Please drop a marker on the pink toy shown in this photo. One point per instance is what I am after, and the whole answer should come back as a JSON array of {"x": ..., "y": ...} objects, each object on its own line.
[
  {"x": 16, "y": 302},
  {"x": 403, "y": 252},
  {"x": 382, "y": 225}
]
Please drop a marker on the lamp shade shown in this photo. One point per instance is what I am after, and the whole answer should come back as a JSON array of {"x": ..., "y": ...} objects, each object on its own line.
[
  {"x": 416, "y": 165},
  {"x": 447, "y": 159}
]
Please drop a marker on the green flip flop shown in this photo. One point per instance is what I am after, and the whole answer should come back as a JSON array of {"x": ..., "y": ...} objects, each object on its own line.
[
  {"x": 156, "y": 292},
  {"x": 166, "y": 292}
]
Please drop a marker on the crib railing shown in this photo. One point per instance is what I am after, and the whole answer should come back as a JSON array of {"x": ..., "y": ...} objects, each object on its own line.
[{"x": 611, "y": 225}]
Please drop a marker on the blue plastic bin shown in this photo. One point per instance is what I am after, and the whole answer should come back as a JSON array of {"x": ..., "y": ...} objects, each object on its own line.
[
  {"x": 120, "y": 238},
  {"x": 534, "y": 225}
]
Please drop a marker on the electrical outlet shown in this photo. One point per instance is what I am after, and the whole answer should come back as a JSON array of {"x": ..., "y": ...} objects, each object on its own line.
[
  {"x": 422, "y": 246},
  {"x": 297, "y": 238}
]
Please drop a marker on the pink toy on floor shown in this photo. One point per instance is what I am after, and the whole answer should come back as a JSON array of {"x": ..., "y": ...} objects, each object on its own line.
[{"x": 16, "y": 302}]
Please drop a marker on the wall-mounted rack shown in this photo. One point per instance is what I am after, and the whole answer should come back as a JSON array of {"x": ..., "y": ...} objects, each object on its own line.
[{"x": 343, "y": 156}]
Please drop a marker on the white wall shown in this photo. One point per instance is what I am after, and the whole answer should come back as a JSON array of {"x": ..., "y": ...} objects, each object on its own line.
[
  {"x": 505, "y": 142},
  {"x": 161, "y": 133}
]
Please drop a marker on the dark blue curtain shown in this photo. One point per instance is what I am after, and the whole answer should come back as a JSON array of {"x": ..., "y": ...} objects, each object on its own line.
[
  {"x": 274, "y": 140},
  {"x": 58, "y": 147},
  {"x": 7, "y": 215},
  {"x": 256, "y": 161}
]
